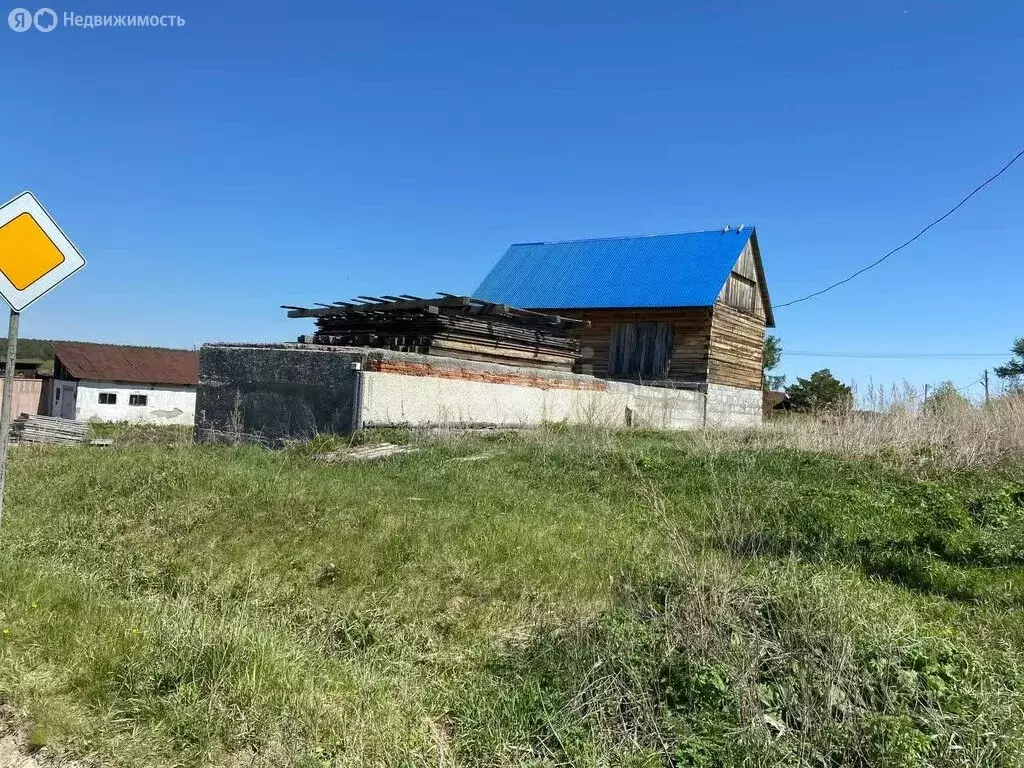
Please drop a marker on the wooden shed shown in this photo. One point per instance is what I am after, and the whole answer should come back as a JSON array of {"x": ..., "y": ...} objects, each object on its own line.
[{"x": 674, "y": 309}]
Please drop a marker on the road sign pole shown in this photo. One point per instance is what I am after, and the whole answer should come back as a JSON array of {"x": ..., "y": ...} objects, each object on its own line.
[
  {"x": 5, "y": 411},
  {"x": 35, "y": 257}
]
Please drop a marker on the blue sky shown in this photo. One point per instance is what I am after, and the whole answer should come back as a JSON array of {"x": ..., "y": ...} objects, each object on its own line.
[{"x": 268, "y": 154}]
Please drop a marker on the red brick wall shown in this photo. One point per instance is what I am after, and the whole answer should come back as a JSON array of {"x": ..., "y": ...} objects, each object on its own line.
[{"x": 407, "y": 368}]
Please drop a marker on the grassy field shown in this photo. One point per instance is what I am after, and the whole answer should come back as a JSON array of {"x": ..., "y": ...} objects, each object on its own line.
[{"x": 565, "y": 597}]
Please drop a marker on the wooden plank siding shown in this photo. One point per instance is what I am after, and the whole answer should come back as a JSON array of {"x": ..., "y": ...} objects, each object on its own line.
[
  {"x": 691, "y": 328},
  {"x": 743, "y": 294},
  {"x": 737, "y": 329},
  {"x": 736, "y": 348},
  {"x": 720, "y": 344},
  {"x": 745, "y": 265},
  {"x": 641, "y": 350},
  {"x": 742, "y": 290}
]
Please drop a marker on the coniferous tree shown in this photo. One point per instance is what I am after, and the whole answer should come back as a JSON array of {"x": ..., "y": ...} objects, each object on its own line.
[{"x": 821, "y": 390}]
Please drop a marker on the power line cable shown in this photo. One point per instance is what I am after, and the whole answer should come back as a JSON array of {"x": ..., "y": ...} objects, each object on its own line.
[
  {"x": 899, "y": 248},
  {"x": 900, "y": 355}
]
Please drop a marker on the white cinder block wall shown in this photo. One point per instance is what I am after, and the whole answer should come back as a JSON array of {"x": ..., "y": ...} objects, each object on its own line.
[
  {"x": 390, "y": 399},
  {"x": 733, "y": 407},
  {"x": 165, "y": 404}
]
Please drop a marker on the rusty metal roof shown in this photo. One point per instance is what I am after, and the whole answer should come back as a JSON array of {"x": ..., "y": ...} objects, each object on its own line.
[{"x": 142, "y": 365}]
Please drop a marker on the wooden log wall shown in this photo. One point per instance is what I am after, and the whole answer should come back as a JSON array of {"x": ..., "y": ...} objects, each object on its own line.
[{"x": 737, "y": 345}]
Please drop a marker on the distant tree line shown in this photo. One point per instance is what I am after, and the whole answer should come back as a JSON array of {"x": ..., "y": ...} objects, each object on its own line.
[
  {"x": 823, "y": 390},
  {"x": 31, "y": 350},
  {"x": 39, "y": 351}
]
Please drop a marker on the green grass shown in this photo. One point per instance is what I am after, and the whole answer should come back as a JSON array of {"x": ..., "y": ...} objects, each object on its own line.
[
  {"x": 134, "y": 433},
  {"x": 577, "y": 598}
]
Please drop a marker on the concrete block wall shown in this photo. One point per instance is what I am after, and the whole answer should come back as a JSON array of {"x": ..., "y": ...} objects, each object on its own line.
[
  {"x": 292, "y": 391},
  {"x": 393, "y": 399},
  {"x": 733, "y": 407}
]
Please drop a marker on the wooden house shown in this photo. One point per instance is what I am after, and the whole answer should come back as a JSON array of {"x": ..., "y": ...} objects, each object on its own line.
[{"x": 673, "y": 310}]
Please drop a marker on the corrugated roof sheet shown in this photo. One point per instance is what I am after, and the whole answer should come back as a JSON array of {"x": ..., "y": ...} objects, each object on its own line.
[
  {"x": 680, "y": 270},
  {"x": 141, "y": 365}
]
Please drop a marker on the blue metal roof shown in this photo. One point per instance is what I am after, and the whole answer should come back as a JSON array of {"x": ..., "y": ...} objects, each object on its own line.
[{"x": 681, "y": 270}]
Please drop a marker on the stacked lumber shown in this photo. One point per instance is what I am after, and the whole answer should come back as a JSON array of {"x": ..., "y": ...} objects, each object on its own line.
[
  {"x": 449, "y": 326},
  {"x": 33, "y": 428}
]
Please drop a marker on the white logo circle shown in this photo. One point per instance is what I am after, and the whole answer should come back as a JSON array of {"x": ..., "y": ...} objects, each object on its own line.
[
  {"x": 45, "y": 19},
  {"x": 20, "y": 19}
]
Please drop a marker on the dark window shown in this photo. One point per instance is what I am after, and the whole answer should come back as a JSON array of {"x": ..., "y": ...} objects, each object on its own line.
[
  {"x": 108, "y": 398},
  {"x": 137, "y": 399},
  {"x": 640, "y": 350},
  {"x": 57, "y": 394}
]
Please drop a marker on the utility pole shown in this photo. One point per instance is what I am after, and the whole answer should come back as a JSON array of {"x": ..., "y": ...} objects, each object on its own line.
[
  {"x": 925, "y": 403},
  {"x": 986, "y": 386}
]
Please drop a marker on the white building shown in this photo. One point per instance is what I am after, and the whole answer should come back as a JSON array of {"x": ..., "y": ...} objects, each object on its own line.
[{"x": 102, "y": 382}]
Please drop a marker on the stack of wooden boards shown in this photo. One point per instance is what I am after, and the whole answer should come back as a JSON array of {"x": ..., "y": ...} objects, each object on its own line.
[
  {"x": 33, "y": 428},
  {"x": 449, "y": 326}
]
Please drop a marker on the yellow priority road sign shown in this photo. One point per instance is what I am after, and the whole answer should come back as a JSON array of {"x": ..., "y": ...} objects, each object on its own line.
[{"x": 35, "y": 255}]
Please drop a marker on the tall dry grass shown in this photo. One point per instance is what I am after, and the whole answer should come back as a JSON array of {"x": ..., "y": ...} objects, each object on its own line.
[{"x": 895, "y": 426}]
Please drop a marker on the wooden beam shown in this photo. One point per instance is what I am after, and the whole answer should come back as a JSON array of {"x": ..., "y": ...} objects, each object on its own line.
[{"x": 387, "y": 306}]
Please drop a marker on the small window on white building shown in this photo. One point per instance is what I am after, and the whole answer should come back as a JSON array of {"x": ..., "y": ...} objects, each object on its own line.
[
  {"x": 137, "y": 399},
  {"x": 108, "y": 398}
]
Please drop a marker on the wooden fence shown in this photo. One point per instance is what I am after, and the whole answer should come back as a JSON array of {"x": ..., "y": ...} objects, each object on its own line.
[{"x": 28, "y": 397}]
